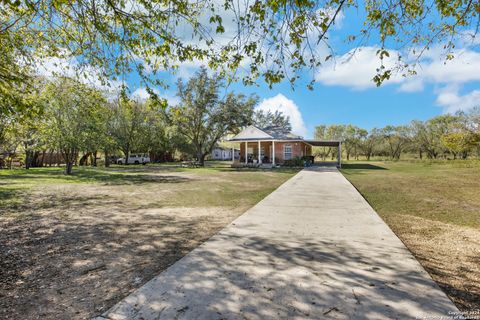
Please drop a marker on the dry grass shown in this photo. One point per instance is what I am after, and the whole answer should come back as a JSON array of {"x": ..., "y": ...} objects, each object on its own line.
[
  {"x": 434, "y": 207},
  {"x": 71, "y": 247}
]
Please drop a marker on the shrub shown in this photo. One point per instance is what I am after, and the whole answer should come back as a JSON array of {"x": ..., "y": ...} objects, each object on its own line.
[{"x": 295, "y": 162}]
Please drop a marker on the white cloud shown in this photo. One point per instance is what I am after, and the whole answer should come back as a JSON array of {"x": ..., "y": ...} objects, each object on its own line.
[
  {"x": 142, "y": 95},
  {"x": 411, "y": 84},
  {"x": 450, "y": 99},
  {"x": 233, "y": 35},
  {"x": 330, "y": 12},
  {"x": 287, "y": 107},
  {"x": 463, "y": 68},
  {"x": 357, "y": 68}
]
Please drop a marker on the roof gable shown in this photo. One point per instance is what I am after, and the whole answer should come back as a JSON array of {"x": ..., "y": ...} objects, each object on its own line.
[{"x": 252, "y": 132}]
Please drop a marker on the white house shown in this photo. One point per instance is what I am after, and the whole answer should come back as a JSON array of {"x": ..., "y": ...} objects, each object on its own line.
[{"x": 219, "y": 153}]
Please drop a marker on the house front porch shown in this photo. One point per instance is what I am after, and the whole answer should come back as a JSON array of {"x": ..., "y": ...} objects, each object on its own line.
[
  {"x": 271, "y": 152},
  {"x": 269, "y": 148}
]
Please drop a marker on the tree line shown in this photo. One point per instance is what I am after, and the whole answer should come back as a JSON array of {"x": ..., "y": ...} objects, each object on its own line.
[
  {"x": 79, "y": 123},
  {"x": 455, "y": 136}
]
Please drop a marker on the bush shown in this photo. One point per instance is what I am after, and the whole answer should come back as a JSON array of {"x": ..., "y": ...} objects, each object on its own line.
[
  {"x": 295, "y": 162},
  {"x": 305, "y": 161}
]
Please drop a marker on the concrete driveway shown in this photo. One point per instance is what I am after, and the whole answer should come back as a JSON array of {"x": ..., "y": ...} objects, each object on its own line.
[{"x": 313, "y": 249}]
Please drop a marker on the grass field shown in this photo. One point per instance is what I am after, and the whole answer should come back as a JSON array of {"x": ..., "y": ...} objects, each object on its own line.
[
  {"x": 72, "y": 246},
  {"x": 434, "y": 207}
]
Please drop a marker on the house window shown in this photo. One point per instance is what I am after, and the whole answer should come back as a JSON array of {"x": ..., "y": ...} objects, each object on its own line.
[{"x": 287, "y": 152}]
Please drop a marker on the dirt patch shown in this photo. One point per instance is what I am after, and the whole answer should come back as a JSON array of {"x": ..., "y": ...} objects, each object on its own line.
[
  {"x": 77, "y": 255},
  {"x": 451, "y": 254}
]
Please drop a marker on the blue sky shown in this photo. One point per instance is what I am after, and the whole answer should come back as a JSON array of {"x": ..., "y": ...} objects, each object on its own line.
[{"x": 344, "y": 92}]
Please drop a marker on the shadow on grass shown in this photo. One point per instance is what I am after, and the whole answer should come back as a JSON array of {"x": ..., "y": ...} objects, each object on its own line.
[
  {"x": 88, "y": 265},
  {"x": 114, "y": 176},
  {"x": 362, "y": 166},
  {"x": 10, "y": 197},
  {"x": 273, "y": 170}
]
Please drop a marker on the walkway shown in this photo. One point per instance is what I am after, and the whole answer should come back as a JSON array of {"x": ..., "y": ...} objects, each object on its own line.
[{"x": 313, "y": 249}]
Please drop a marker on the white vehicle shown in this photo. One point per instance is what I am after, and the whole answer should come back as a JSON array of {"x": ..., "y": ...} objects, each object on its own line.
[{"x": 136, "y": 158}]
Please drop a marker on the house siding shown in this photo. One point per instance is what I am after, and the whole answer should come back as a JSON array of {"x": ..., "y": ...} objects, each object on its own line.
[{"x": 299, "y": 149}]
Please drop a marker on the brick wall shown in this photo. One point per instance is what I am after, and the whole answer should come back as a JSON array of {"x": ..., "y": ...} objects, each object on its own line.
[{"x": 299, "y": 149}]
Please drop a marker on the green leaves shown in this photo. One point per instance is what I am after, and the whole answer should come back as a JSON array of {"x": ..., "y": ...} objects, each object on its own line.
[
  {"x": 202, "y": 117},
  {"x": 280, "y": 39}
]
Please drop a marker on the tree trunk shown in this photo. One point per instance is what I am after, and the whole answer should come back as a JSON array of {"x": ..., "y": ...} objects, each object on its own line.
[
  {"x": 107, "y": 160},
  {"x": 43, "y": 159},
  {"x": 201, "y": 158},
  {"x": 28, "y": 159},
  {"x": 70, "y": 156},
  {"x": 94, "y": 156},
  {"x": 127, "y": 153},
  {"x": 69, "y": 167},
  {"x": 84, "y": 159}
]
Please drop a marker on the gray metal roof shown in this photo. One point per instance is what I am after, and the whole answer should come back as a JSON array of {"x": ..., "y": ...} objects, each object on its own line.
[
  {"x": 252, "y": 133},
  {"x": 323, "y": 143}
]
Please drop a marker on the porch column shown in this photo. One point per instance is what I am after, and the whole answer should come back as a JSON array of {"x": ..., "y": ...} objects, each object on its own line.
[
  {"x": 339, "y": 155},
  {"x": 233, "y": 154},
  {"x": 259, "y": 153},
  {"x": 273, "y": 153},
  {"x": 246, "y": 152}
]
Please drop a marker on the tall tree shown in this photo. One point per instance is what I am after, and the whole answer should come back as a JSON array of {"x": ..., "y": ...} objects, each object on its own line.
[
  {"x": 370, "y": 142},
  {"x": 203, "y": 117},
  {"x": 397, "y": 138},
  {"x": 73, "y": 111},
  {"x": 351, "y": 138},
  {"x": 460, "y": 142},
  {"x": 128, "y": 125},
  {"x": 276, "y": 121}
]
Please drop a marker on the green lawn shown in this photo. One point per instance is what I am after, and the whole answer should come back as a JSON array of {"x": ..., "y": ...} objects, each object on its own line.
[
  {"x": 445, "y": 191},
  {"x": 73, "y": 246},
  {"x": 216, "y": 184},
  {"x": 434, "y": 207}
]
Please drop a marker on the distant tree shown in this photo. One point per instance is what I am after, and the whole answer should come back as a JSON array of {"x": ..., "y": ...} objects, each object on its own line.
[
  {"x": 30, "y": 133},
  {"x": 460, "y": 143},
  {"x": 10, "y": 139},
  {"x": 426, "y": 135},
  {"x": 128, "y": 125},
  {"x": 335, "y": 132},
  {"x": 72, "y": 112},
  {"x": 276, "y": 121},
  {"x": 159, "y": 136},
  {"x": 397, "y": 138},
  {"x": 203, "y": 118},
  {"x": 351, "y": 136},
  {"x": 321, "y": 134},
  {"x": 369, "y": 142},
  {"x": 361, "y": 136}
]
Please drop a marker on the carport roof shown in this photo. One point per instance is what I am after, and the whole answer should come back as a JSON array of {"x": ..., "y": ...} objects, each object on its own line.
[
  {"x": 252, "y": 133},
  {"x": 323, "y": 143}
]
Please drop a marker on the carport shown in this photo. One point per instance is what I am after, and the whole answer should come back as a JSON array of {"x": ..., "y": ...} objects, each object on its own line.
[{"x": 328, "y": 143}]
